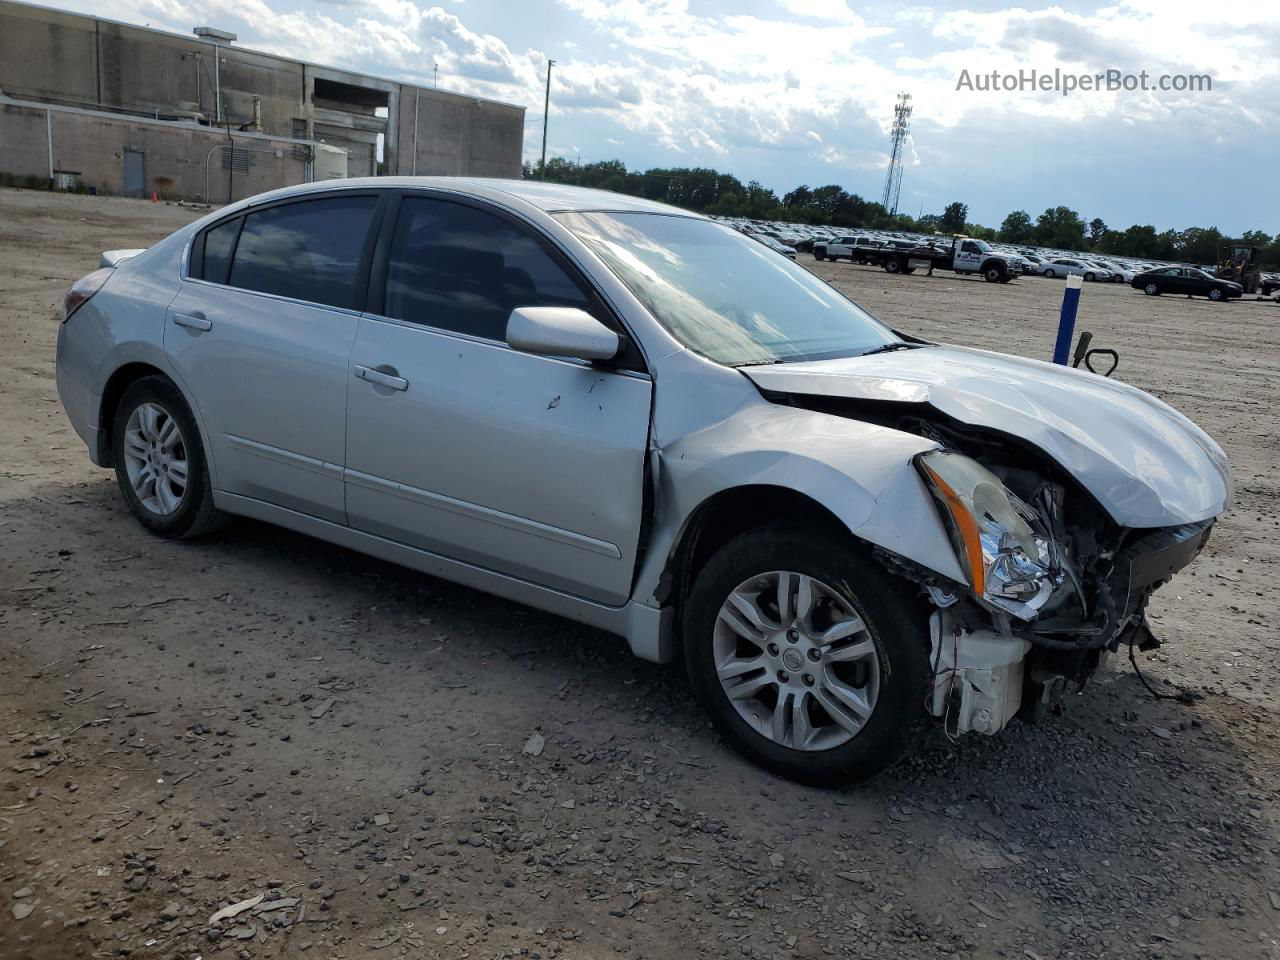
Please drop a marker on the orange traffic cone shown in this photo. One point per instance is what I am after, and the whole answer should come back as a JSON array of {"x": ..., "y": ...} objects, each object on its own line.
[{"x": 154, "y": 198}]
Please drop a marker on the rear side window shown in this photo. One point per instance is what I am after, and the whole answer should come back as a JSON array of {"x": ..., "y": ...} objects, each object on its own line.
[
  {"x": 310, "y": 250},
  {"x": 458, "y": 268},
  {"x": 218, "y": 244}
]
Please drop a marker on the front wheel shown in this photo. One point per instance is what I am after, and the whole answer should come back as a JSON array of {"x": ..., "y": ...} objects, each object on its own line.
[
  {"x": 1090, "y": 277},
  {"x": 160, "y": 462},
  {"x": 993, "y": 274},
  {"x": 819, "y": 255},
  {"x": 1215, "y": 295},
  {"x": 811, "y": 659}
]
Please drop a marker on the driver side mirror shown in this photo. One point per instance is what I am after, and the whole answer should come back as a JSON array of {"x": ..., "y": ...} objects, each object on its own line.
[{"x": 561, "y": 332}]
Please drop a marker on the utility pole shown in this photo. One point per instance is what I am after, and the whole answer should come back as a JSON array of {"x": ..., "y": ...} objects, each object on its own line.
[
  {"x": 546, "y": 112},
  {"x": 435, "y": 75}
]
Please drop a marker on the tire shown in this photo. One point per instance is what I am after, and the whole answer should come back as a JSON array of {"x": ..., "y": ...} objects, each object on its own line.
[
  {"x": 993, "y": 274},
  {"x": 819, "y": 255},
  {"x": 1216, "y": 295},
  {"x": 153, "y": 408},
  {"x": 1151, "y": 290},
  {"x": 909, "y": 270},
  {"x": 892, "y": 266},
  {"x": 1051, "y": 273},
  {"x": 1089, "y": 277},
  {"x": 891, "y": 675}
]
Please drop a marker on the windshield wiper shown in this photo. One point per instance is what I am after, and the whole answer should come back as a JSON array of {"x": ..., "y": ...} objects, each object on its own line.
[{"x": 890, "y": 347}]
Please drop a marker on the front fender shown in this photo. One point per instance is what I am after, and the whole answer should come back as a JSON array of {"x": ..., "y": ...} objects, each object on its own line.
[{"x": 861, "y": 472}]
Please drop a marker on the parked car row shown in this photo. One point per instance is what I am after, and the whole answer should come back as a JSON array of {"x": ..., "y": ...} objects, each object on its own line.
[{"x": 900, "y": 252}]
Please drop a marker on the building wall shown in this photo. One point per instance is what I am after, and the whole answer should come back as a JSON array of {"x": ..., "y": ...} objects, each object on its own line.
[
  {"x": 47, "y": 54},
  {"x": 24, "y": 150},
  {"x": 72, "y": 60},
  {"x": 458, "y": 136},
  {"x": 93, "y": 145}
]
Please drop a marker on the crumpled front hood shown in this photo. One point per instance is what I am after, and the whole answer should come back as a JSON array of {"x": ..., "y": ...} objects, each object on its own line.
[{"x": 1145, "y": 463}]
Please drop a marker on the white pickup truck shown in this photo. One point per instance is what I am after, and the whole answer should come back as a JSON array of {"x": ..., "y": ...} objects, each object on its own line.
[{"x": 964, "y": 255}]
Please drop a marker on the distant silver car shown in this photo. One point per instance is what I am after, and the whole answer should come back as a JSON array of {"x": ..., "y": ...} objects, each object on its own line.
[
  {"x": 1069, "y": 266},
  {"x": 643, "y": 420}
]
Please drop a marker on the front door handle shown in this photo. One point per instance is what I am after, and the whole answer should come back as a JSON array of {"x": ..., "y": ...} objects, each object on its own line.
[
  {"x": 193, "y": 320},
  {"x": 384, "y": 377}
]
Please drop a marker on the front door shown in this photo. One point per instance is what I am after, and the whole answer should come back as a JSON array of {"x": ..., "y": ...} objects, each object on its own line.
[
  {"x": 969, "y": 257},
  {"x": 135, "y": 177},
  {"x": 261, "y": 335},
  {"x": 526, "y": 465}
]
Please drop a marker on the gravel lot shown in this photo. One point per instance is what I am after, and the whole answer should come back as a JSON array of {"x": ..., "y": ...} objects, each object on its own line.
[{"x": 398, "y": 767}]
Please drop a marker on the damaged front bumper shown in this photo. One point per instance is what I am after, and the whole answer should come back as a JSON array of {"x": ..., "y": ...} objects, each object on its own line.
[{"x": 988, "y": 667}]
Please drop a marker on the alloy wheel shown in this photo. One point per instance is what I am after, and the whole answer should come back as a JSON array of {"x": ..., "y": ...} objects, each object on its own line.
[
  {"x": 155, "y": 458},
  {"x": 797, "y": 662}
]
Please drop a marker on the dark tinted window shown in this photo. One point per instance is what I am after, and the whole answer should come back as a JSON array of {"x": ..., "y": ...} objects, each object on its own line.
[
  {"x": 308, "y": 250},
  {"x": 459, "y": 268},
  {"x": 218, "y": 244}
]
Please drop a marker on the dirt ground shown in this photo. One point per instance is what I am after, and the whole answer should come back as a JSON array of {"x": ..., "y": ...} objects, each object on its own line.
[{"x": 399, "y": 767}]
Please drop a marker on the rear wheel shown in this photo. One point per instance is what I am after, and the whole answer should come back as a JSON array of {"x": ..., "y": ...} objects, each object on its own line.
[
  {"x": 1051, "y": 273},
  {"x": 812, "y": 661},
  {"x": 893, "y": 266},
  {"x": 1151, "y": 290},
  {"x": 160, "y": 462}
]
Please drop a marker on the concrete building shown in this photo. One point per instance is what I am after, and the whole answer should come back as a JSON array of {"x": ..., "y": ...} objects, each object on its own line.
[{"x": 86, "y": 102}]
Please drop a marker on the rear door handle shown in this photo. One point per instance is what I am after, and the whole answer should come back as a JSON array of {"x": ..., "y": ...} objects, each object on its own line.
[
  {"x": 192, "y": 320},
  {"x": 383, "y": 378}
]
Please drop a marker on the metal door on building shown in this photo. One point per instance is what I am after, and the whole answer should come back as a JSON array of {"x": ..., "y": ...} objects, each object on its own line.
[{"x": 135, "y": 178}]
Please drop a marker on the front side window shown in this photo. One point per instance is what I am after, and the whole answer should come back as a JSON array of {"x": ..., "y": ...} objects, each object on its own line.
[
  {"x": 459, "y": 268},
  {"x": 309, "y": 250},
  {"x": 725, "y": 296}
]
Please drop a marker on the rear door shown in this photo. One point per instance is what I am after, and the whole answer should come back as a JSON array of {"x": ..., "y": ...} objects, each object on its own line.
[
  {"x": 260, "y": 336},
  {"x": 526, "y": 465}
]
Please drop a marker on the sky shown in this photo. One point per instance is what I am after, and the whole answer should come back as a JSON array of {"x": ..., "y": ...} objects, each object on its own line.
[{"x": 793, "y": 92}]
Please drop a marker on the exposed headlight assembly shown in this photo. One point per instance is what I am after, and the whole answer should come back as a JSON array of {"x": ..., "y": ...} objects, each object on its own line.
[{"x": 1001, "y": 542}]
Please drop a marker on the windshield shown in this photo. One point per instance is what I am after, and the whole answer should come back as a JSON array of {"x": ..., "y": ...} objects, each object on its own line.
[{"x": 724, "y": 295}]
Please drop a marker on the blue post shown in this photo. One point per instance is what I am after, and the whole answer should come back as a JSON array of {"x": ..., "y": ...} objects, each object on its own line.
[{"x": 1067, "y": 320}]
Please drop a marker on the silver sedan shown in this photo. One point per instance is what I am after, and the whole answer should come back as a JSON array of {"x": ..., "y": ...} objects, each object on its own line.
[{"x": 638, "y": 418}]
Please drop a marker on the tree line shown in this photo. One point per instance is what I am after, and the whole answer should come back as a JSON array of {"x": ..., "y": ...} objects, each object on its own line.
[{"x": 714, "y": 193}]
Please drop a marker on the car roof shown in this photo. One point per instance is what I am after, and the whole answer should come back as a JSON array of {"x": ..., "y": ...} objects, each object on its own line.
[{"x": 549, "y": 197}]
